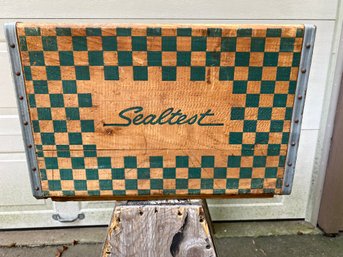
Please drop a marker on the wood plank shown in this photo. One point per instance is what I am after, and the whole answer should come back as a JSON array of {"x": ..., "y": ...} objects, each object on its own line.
[
  {"x": 196, "y": 9},
  {"x": 158, "y": 110},
  {"x": 161, "y": 228}
]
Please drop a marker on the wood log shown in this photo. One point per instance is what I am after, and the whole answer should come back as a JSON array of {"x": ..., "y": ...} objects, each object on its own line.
[{"x": 160, "y": 228}]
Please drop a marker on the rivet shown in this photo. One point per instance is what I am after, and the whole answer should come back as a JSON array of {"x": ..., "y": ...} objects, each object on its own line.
[
  {"x": 17, "y": 73},
  {"x": 21, "y": 97},
  {"x": 296, "y": 121},
  {"x": 208, "y": 246},
  {"x": 201, "y": 220},
  {"x": 141, "y": 212},
  {"x": 289, "y": 164},
  {"x": 34, "y": 169},
  {"x": 26, "y": 123},
  {"x": 29, "y": 146},
  {"x": 308, "y": 45},
  {"x": 12, "y": 45},
  {"x": 300, "y": 97},
  {"x": 293, "y": 143},
  {"x": 36, "y": 188},
  {"x": 303, "y": 70},
  {"x": 287, "y": 185}
]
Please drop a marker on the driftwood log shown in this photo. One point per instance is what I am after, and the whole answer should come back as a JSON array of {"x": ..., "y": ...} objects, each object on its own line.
[{"x": 160, "y": 229}]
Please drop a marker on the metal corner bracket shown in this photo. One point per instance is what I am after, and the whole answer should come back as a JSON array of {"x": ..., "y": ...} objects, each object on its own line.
[
  {"x": 22, "y": 103},
  {"x": 299, "y": 102}
]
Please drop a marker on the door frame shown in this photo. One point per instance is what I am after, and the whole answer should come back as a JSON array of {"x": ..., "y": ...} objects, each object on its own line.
[{"x": 327, "y": 120}]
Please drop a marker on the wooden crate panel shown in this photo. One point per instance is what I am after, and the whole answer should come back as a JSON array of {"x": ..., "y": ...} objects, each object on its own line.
[{"x": 160, "y": 111}]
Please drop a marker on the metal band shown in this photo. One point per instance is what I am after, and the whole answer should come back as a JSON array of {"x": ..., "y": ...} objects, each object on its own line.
[
  {"x": 24, "y": 116},
  {"x": 299, "y": 102}
]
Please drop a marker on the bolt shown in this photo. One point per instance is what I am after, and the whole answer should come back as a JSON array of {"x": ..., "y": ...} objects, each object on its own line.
[
  {"x": 34, "y": 169},
  {"x": 36, "y": 188},
  {"x": 300, "y": 97},
  {"x": 287, "y": 185},
  {"x": 18, "y": 73},
  {"x": 303, "y": 70},
  {"x": 293, "y": 143},
  {"x": 29, "y": 146},
  {"x": 12, "y": 45},
  {"x": 296, "y": 121},
  {"x": 21, "y": 97},
  {"x": 308, "y": 45},
  {"x": 26, "y": 123},
  {"x": 289, "y": 164}
]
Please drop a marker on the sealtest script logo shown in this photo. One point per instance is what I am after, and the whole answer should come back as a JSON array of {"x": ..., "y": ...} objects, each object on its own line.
[{"x": 169, "y": 116}]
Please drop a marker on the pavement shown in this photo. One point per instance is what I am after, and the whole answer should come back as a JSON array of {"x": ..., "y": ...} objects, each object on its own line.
[{"x": 235, "y": 239}]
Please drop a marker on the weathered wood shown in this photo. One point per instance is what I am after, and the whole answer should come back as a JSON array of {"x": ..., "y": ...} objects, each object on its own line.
[
  {"x": 159, "y": 228},
  {"x": 154, "y": 111}
]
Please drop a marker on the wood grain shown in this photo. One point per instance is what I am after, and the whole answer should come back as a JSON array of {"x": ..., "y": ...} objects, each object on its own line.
[
  {"x": 157, "y": 110},
  {"x": 160, "y": 228}
]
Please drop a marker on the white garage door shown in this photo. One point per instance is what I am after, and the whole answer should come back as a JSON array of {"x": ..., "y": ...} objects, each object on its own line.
[{"x": 18, "y": 209}]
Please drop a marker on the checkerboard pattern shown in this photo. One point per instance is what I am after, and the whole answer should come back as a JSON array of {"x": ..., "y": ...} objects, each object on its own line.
[
  {"x": 92, "y": 173},
  {"x": 242, "y": 54},
  {"x": 259, "y": 64}
]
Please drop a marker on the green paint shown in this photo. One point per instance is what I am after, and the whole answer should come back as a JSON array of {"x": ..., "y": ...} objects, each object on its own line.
[
  {"x": 53, "y": 72},
  {"x": 226, "y": 73},
  {"x": 109, "y": 43},
  {"x": 169, "y": 73},
  {"x": 96, "y": 58},
  {"x": 36, "y": 58},
  {"x": 66, "y": 58},
  {"x": 198, "y": 73},
  {"x": 49, "y": 43}
]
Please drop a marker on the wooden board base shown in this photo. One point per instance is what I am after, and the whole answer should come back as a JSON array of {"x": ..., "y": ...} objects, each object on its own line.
[{"x": 160, "y": 228}]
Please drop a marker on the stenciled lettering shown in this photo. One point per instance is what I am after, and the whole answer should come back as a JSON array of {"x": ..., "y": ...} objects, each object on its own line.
[{"x": 169, "y": 116}]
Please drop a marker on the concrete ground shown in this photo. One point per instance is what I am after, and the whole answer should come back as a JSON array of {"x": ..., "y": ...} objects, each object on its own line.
[{"x": 237, "y": 239}]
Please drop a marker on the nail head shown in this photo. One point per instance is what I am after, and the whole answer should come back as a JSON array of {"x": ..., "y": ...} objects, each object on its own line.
[
  {"x": 12, "y": 45},
  {"x": 17, "y": 73}
]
